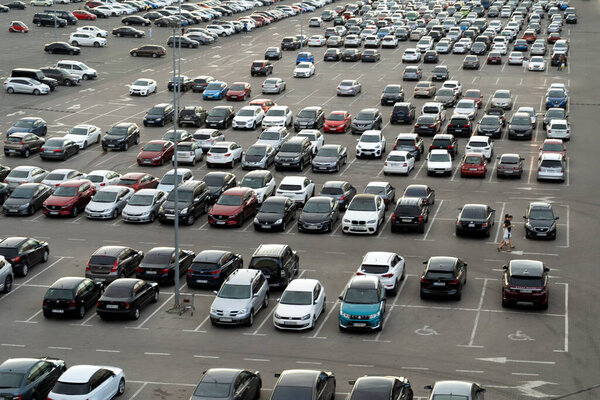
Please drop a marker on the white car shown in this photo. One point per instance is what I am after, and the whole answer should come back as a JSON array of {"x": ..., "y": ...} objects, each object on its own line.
[
  {"x": 551, "y": 166},
  {"x": 25, "y": 85},
  {"x": 296, "y": 188},
  {"x": 220, "y": 30},
  {"x": 371, "y": 143},
  {"x": 224, "y": 153},
  {"x": 558, "y": 129},
  {"x": 372, "y": 41},
  {"x": 467, "y": 108},
  {"x": 84, "y": 135},
  {"x": 167, "y": 182},
  {"x": 411, "y": 55},
  {"x": 459, "y": 48},
  {"x": 58, "y": 176},
  {"x": 482, "y": 145},
  {"x": 425, "y": 44},
  {"x": 93, "y": 29},
  {"x": 304, "y": 70},
  {"x": 365, "y": 215},
  {"x": 399, "y": 162},
  {"x": 389, "y": 42},
  {"x": 46, "y": 3},
  {"x": 388, "y": 267},
  {"x": 516, "y": 58},
  {"x": 316, "y": 138},
  {"x": 91, "y": 382},
  {"x": 454, "y": 85},
  {"x": 103, "y": 177},
  {"x": 143, "y": 87},
  {"x": 500, "y": 47},
  {"x": 7, "y": 276},
  {"x": 317, "y": 41},
  {"x": 248, "y": 117},
  {"x": 274, "y": 136},
  {"x": 278, "y": 116},
  {"x": 434, "y": 109},
  {"x": 78, "y": 68},
  {"x": 301, "y": 304},
  {"x": 108, "y": 10},
  {"x": 108, "y": 202},
  {"x": 143, "y": 206},
  {"x": 189, "y": 153},
  {"x": 536, "y": 63},
  {"x": 262, "y": 182},
  {"x": 439, "y": 162}
]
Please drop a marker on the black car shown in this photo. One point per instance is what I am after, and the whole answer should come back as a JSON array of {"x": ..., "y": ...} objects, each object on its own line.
[
  {"x": 120, "y": 136},
  {"x": 330, "y": 157},
  {"x": 443, "y": 277},
  {"x": 341, "y": 191},
  {"x": 431, "y": 57},
  {"x": 71, "y": 296},
  {"x": 410, "y": 213},
  {"x": 41, "y": 19},
  {"x": 443, "y": 141},
  {"x": 540, "y": 222},
  {"x": 4, "y": 192},
  {"x": 290, "y": 43},
  {"x": 63, "y": 14},
  {"x": 427, "y": 125},
  {"x": 58, "y": 149},
  {"x": 392, "y": 94},
  {"x": 24, "y": 253},
  {"x": 319, "y": 214},
  {"x": 476, "y": 219},
  {"x": 294, "y": 153},
  {"x": 4, "y": 171},
  {"x": 29, "y": 378},
  {"x": 303, "y": 383},
  {"x": 184, "y": 40},
  {"x": 218, "y": 182},
  {"x": 459, "y": 125},
  {"x": 273, "y": 53},
  {"x": 159, "y": 264},
  {"x": 17, "y": 5},
  {"x": 166, "y": 21},
  {"x": 499, "y": 112},
  {"x": 440, "y": 73},
  {"x": 193, "y": 200},
  {"x": 278, "y": 263},
  {"x": 228, "y": 384},
  {"x": 26, "y": 199},
  {"x": 200, "y": 83},
  {"x": 351, "y": 55},
  {"x": 125, "y": 297},
  {"x": 135, "y": 20},
  {"x": 370, "y": 55},
  {"x": 220, "y": 117},
  {"x": 478, "y": 49},
  {"x": 191, "y": 115},
  {"x": 381, "y": 388},
  {"x": 490, "y": 125},
  {"x": 128, "y": 31},
  {"x": 160, "y": 115},
  {"x": 332, "y": 55},
  {"x": 112, "y": 262},
  {"x": 403, "y": 113},
  {"x": 210, "y": 268},
  {"x": 261, "y": 67},
  {"x": 309, "y": 118},
  {"x": 182, "y": 81},
  {"x": 423, "y": 192},
  {"x": 274, "y": 214},
  {"x": 62, "y": 76},
  {"x": 61, "y": 48}
]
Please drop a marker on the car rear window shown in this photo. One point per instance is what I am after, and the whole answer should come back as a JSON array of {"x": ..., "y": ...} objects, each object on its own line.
[
  {"x": 433, "y": 275},
  {"x": 551, "y": 164},
  {"x": 332, "y": 190},
  {"x": 528, "y": 281},
  {"x": 10, "y": 380},
  {"x": 72, "y": 389},
  {"x": 405, "y": 143},
  {"x": 374, "y": 269},
  {"x": 473, "y": 213},
  {"x": 291, "y": 148},
  {"x": 406, "y": 209},
  {"x": 102, "y": 260},
  {"x": 157, "y": 258},
  {"x": 52, "y": 293},
  {"x": 290, "y": 187}
]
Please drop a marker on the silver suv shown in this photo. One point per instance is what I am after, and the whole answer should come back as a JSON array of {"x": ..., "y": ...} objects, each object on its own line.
[{"x": 242, "y": 295}]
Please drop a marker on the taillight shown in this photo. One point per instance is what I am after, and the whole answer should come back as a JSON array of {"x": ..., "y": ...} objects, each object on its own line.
[
  {"x": 454, "y": 282},
  {"x": 45, "y": 302},
  {"x": 467, "y": 126},
  {"x": 103, "y": 184},
  {"x": 484, "y": 225},
  {"x": 416, "y": 147},
  {"x": 127, "y": 305},
  {"x": 42, "y": 149},
  {"x": 227, "y": 154},
  {"x": 16, "y": 259},
  {"x": 209, "y": 154},
  {"x": 450, "y": 147},
  {"x": 421, "y": 218},
  {"x": 423, "y": 280},
  {"x": 115, "y": 266},
  {"x": 360, "y": 273},
  {"x": 22, "y": 143},
  {"x": 138, "y": 269},
  {"x": 387, "y": 276},
  {"x": 58, "y": 150},
  {"x": 450, "y": 125},
  {"x": 72, "y": 303},
  {"x": 393, "y": 217},
  {"x": 458, "y": 223},
  {"x": 87, "y": 267},
  {"x": 164, "y": 271}
]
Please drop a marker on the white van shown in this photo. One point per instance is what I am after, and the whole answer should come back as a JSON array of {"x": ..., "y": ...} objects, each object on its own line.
[{"x": 78, "y": 68}]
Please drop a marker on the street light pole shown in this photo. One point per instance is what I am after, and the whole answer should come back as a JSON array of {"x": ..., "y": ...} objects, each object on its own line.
[{"x": 176, "y": 99}]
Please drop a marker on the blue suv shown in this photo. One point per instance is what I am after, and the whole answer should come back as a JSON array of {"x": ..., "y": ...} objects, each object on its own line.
[
  {"x": 363, "y": 304},
  {"x": 305, "y": 56},
  {"x": 556, "y": 98},
  {"x": 215, "y": 91}
]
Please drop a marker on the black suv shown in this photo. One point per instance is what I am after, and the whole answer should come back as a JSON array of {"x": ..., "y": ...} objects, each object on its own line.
[
  {"x": 261, "y": 67},
  {"x": 218, "y": 182},
  {"x": 109, "y": 263},
  {"x": 220, "y": 117},
  {"x": 23, "y": 253},
  {"x": 36, "y": 74},
  {"x": 410, "y": 213},
  {"x": 366, "y": 119},
  {"x": 443, "y": 141},
  {"x": 41, "y": 19},
  {"x": 402, "y": 112},
  {"x": 64, "y": 14},
  {"x": 290, "y": 43},
  {"x": 120, "y": 136},
  {"x": 392, "y": 94},
  {"x": 191, "y": 115},
  {"x": 540, "y": 222},
  {"x": 459, "y": 125},
  {"x": 194, "y": 198},
  {"x": 278, "y": 263},
  {"x": 294, "y": 153},
  {"x": 181, "y": 83},
  {"x": 160, "y": 114},
  {"x": 62, "y": 76},
  {"x": 309, "y": 118},
  {"x": 211, "y": 268}
]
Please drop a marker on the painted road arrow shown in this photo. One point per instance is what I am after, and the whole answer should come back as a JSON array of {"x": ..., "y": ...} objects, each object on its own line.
[{"x": 504, "y": 360}]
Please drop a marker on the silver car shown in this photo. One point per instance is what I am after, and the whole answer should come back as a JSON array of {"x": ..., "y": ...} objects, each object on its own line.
[
  {"x": 189, "y": 153},
  {"x": 456, "y": 389},
  {"x": 7, "y": 276},
  {"x": 25, "y": 173},
  {"x": 206, "y": 138},
  {"x": 108, "y": 202},
  {"x": 273, "y": 85},
  {"x": 143, "y": 205},
  {"x": 502, "y": 99},
  {"x": 242, "y": 295},
  {"x": 349, "y": 87},
  {"x": 551, "y": 166}
]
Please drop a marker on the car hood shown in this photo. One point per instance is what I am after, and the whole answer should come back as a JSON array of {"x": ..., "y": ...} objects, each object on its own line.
[
  {"x": 149, "y": 154},
  {"x": 14, "y": 129},
  {"x": 59, "y": 201},
  {"x": 314, "y": 217},
  {"x": 273, "y": 143},
  {"x": 335, "y": 123},
  {"x": 120, "y": 137},
  {"x": 218, "y": 209},
  {"x": 369, "y": 145},
  {"x": 274, "y": 119},
  {"x": 98, "y": 207},
  {"x": 76, "y": 138},
  {"x": 244, "y": 118},
  {"x": 288, "y": 155},
  {"x": 216, "y": 118},
  {"x": 253, "y": 158},
  {"x": 212, "y": 91},
  {"x": 304, "y": 120},
  {"x": 236, "y": 92},
  {"x": 292, "y": 311},
  {"x": 321, "y": 159},
  {"x": 269, "y": 217},
  {"x": 136, "y": 209},
  {"x": 12, "y": 203},
  {"x": 360, "y": 215},
  {"x": 359, "y": 309},
  {"x": 230, "y": 304},
  {"x": 363, "y": 121},
  {"x": 164, "y": 187},
  {"x": 139, "y": 87},
  {"x": 541, "y": 223},
  {"x": 440, "y": 164}
]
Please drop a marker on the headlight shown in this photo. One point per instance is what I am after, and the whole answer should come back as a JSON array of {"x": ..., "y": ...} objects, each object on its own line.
[
  {"x": 279, "y": 221},
  {"x": 161, "y": 209},
  {"x": 343, "y": 314},
  {"x": 553, "y": 227},
  {"x": 256, "y": 220},
  {"x": 346, "y": 221},
  {"x": 305, "y": 317},
  {"x": 242, "y": 311},
  {"x": 373, "y": 316},
  {"x": 213, "y": 311},
  {"x": 23, "y": 206},
  {"x": 277, "y": 316},
  {"x": 156, "y": 158},
  {"x": 184, "y": 211},
  {"x": 371, "y": 221},
  {"x": 146, "y": 214}
]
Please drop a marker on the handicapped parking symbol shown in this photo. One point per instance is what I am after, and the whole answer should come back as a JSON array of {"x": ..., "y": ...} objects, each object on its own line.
[
  {"x": 520, "y": 336},
  {"x": 426, "y": 331}
]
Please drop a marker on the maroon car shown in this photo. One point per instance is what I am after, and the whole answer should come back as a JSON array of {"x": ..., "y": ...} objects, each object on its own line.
[
  {"x": 138, "y": 180},
  {"x": 233, "y": 207},
  {"x": 69, "y": 198},
  {"x": 525, "y": 281},
  {"x": 238, "y": 91},
  {"x": 494, "y": 58},
  {"x": 475, "y": 95},
  {"x": 156, "y": 152}
]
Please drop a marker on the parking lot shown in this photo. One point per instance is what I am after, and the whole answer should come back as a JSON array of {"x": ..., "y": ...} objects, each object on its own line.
[{"x": 516, "y": 353}]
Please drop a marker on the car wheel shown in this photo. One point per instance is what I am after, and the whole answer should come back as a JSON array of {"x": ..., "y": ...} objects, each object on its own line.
[
  {"x": 81, "y": 312},
  {"x": 134, "y": 54},
  {"x": 154, "y": 55},
  {"x": 266, "y": 301},
  {"x": 115, "y": 214},
  {"x": 505, "y": 304},
  {"x": 26, "y": 153},
  {"x": 251, "y": 318},
  {"x": 126, "y": 146},
  {"x": 8, "y": 284},
  {"x": 24, "y": 269},
  {"x": 36, "y": 92},
  {"x": 119, "y": 35},
  {"x": 136, "y": 314},
  {"x": 155, "y": 297},
  {"x": 74, "y": 211},
  {"x": 190, "y": 220},
  {"x": 121, "y": 388},
  {"x": 152, "y": 217},
  {"x": 74, "y": 43},
  {"x": 10, "y": 90},
  {"x": 30, "y": 210}
]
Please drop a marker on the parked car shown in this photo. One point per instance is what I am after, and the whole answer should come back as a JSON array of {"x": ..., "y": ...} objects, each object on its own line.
[
  {"x": 24, "y": 253},
  {"x": 525, "y": 281},
  {"x": 158, "y": 264},
  {"x": 26, "y": 199},
  {"x": 232, "y": 383},
  {"x": 125, "y": 297},
  {"x": 476, "y": 219},
  {"x": 71, "y": 296},
  {"x": 443, "y": 277},
  {"x": 46, "y": 369},
  {"x": 363, "y": 304}
]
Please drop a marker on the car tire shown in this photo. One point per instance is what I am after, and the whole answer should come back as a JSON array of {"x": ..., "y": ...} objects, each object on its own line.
[
  {"x": 152, "y": 217},
  {"x": 74, "y": 43},
  {"x": 81, "y": 312},
  {"x": 136, "y": 314},
  {"x": 251, "y": 318},
  {"x": 10, "y": 90},
  {"x": 8, "y": 284},
  {"x": 24, "y": 270},
  {"x": 26, "y": 153},
  {"x": 155, "y": 297},
  {"x": 36, "y": 92},
  {"x": 134, "y": 54},
  {"x": 74, "y": 211},
  {"x": 126, "y": 146},
  {"x": 121, "y": 388},
  {"x": 115, "y": 214},
  {"x": 154, "y": 55}
]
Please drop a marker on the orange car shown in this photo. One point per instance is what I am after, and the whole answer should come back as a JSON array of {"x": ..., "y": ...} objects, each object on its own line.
[{"x": 265, "y": 104}]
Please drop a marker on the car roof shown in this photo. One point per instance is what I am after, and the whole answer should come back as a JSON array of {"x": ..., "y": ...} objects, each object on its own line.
[
  {"x": 242, "y": 276},
  {"x": 552, "y": 156},
  {"x": 224, "y": 375},
  {"x": 69, "y": 282},
  {"x": 453, "y": 387},
  {"x": 125, "y": 282},
  {"x": 293, "y": 180},
  {"x": 79, "y": 373},
  {"x": 74, "y": 183},
  {"x": 298, "y": 378},
  {"x": 18, "y": 364},
  {"x": 13, "y": 241},
  {"x": 441, "y": 263},
  {"x": 526, "y": 267},
  {"x": 148, "y": 192},
  {"x": 236, "y": 191},
  {"x": 161, "y": 250},
  {"x": 131, "y": 175},
  {"x": 378, "y": 257},
  {"x": 210, "y": 255},
  {"x": 302, "y": 285},
  {"x": 109, "y": 250},
  {"x": 363, "y": 281},
  {"x": 439, "y": 151},
  {"x": 540, "y": 204},
  {"x": 269, "y": 250}
]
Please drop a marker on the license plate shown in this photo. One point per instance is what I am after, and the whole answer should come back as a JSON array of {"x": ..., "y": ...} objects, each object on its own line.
[
  {"x": 99, "y": 279},
  {"x": 526, "y": 291},
  {"x": 58, "y": 311},
  {"x": 201, "y": 281},
  {"x": 360, "y": 324},
  {"x": 133, "y": 219},
  {"x": 312, "y": 227},
  {"x": 110, "y": 145},
  {"x": 471, "y": 225},
  {"x": 266, "y": 226},
  {"x": 458, "y": 130},
  {"x": 440, "y": 172},
  {"x": 220, "y": 222},
  {"x": 225, "y": 319},
  {"x": 267, "y": 276},
  {"x": 439, "y": 284},
  {"x": 147, "y": 161},
  {"x": 112, "y": 306},
  {"x": 151, "y": 272},
  {"x": 542, "y": 234},
  {"x": 12, "y": 151},
  {"x": 234, "y": 97},
  {"x": 53, "y": 212},
  {"x": 406, "y": 220},
  {"x": 472, "y": 169},
  {"x": 285, "y": 163},
  {"x": 289, "y": 323}
]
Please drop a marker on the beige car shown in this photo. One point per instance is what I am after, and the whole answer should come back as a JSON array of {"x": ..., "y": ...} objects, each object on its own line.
[{"x": 425, "y": 88}]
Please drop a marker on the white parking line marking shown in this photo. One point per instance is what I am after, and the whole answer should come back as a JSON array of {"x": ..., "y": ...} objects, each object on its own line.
[
  {"x": 316, "y": 334},
  {"x": 211, "y": 357},
  {"x": 361, "y": 365},
  {"x": 257, "y": 359},
  {"x": 308, "y": 363},
  {"x": 423, "y": 163},
  {"x": 29, "y": 320},
  {"x": 60, "y": 348},
  {"x": 523, "y": 374},
  {"x": 149, "y": 353},
  {"x": 416, "y": 368},
  {"x": 469, "y": 371},
  {"x": 12, "y": 345},
  {"x": 165, "y": 383},
  {"x": 565, "y": 349},
  {"x": 500, "y": 220},
  {"x": 108, "y": 351},
  {"x": 377, "y": 338},
  {"x": 474, "y": 331},
  {"x": 432, "y": 220},
  {"x": 157, "y": 310},
  {"x": 197, "y": 329},
  {"x": 138, "y": 391}
]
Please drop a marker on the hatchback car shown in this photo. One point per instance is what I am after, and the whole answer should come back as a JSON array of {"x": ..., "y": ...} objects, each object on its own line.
[
  {"x": 473, "y": 164},
  {"x": 136, "y": 181},
  {"x": 23, "y": 253},
  {"x": 228, "y": 384},
  {"x": 23, "y": 144},
  {"x": 143, "y": 206},
  {"x": 58, "y": 148},
  {"x": 210, "y": 268},
  {"x": 28, "y": 378},
  {"x": 363, "y": 304},
  {"x": 300, "y": 306},
  {"x": 551, "y": 166},
  {"x": 158, "y": 264},
  {"x": 443, "y": 277},
  {"x": 318, "y": 214},
  {"x": 93, "y": 382},
  {"x": 125, "y": 297},
  {"x": 109, "y": 263},
  {"x": 274, "y": 214},
  {"x": 476, "y": 219},
  {"x": 337, "y": 121},
  {"x": 509, "y": 164},
  {"x": 466, "y": 390},
  {"x": 71, "y": 296},
  {"x": 525, "y": 281}
]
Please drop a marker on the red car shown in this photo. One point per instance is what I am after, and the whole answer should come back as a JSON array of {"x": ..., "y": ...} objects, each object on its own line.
[
  {"x": 93, "y": 4},
  {"x": 69, "y": 198},
  {"x": 18, "y": 26},
  {"x": 238, "y": 91},
  {"x": 259, "y": 20},
  {"x": 525, "y": 281},
  {"x": 529, "y": 36},
  {"x": 233, "y": 207},
  {"x": 156, "y": 152},
  {"x": 265, "y": 104},
  {"x": 138, "y": 180},
  {"x": 82, "y": 14},
  {"x": 553, "y": 37},
  {"x": 337, "y": 121},
  {"x": 494, "y": 58},
  {"x": 473, "y": 164},
  {"x": 553, "y": 146},
  {"x": 475, "y": 95}
]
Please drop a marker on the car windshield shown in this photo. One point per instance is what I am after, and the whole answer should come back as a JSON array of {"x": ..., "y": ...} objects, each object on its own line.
[
  {"x": 270, "y": 135},
  {"x": 302, "y": 66},
  {"x": 476, "y": 143},
  {"x": 141, "y": 82},
  {"x": 369, "y": 138},
  {"x": 218, "y": 112},
  {"x": 544, "y": 214},
  {"x": 24, "y": 123},
  {"x": 473, "y": 160},
  {"x": 170, "y": 179},
  {"x": 327, "y": 152},
  {"x": 426, "y": 120},
  {"x": 502, "y": 95},
  {"x": 392, "y": 89},
  {"x": 375, "y": 189},
  {"x": 237, "y": 87},
  {"x": 272, "y": 207},
  {"x": 361, "y": 296},
  {"x": 117, "y": 291},
  {"x": 489, "y": 121},
  {"x": 212, "y": 389},
  {"x": 78, "y": 131},
  {"x": 52, "y": 293},
  {"x": 435, "y": 275},
  {"x": 10, "y": 380},
  {"x": 156, "y": 111},
  {"x": 213, "y": 86},
  {"x": 229, "y": 291},
  {"x": 213, "y": 180},
  {"x": 141, "y": 200},
  {"x": 230, "y": 200},
  {"x": 555, "y": 113},
  {"x": 346, "y": 83},
  {"x": 256, "y": 151},
  {"x": 374, "y": 269},
  {"x": 22, "y": 193},
  {"x": 521, "y": 120},
  {"x": 552, "y": 147},
  {"x": 154, "y": 146},
  {"x": 271, "y": 81},
  {"x": 185, "y": 196},
  {"x": 445, "y": 92},
  {"x": 556, "y": 93},
  {"x": 439, "y": 157},
  {"x": 527, "y": 281},
  {"x": 319, "y": 207},
  {"x": 296, "y": 298},
  {"x": 307, "y": 114},
  {"x": 105, "y": 197},
  {"x": 246, "y": 112},
  {"x": 273, "y": 112},
  {"x": 473, "y": 213},
  {"x": 65, "y": 191},
  {"x": 335, "y": 117},
  {"x": 71, "y": 389},
  {"x": 118, "y": 130},
  {"x": 362, "y": 204}
]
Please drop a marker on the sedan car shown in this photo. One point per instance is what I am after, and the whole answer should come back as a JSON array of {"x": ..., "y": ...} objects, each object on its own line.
[
  {"x": 381, "y": 388},
  {"x": 351, "y": 54},
  {"x": 318, "y": 214},
  {"x": 502, "y": 99},
  {"x": 61, "y": 48},
  {"x": 425, "y": 88},
  {"x": 109, "y": 263},
  {"x": 58, "y": 148},
  {"x": 215, "y": 91},
  {"x": 471, "y": 62},
  {"x": 258, "y": 156},
  {"x": 304, "y": 70},
  {"x": 525, "y": 281},
  {"x": 273, "y": 85},
  {"x": 273, "y": 53},
  {"x": 136, "y": 181},
  {"x": 228, "y": 384},
  {"x": 71, "y": 297},
  {"x": 93, "y": 382},
  {"x": 509, "y": 164},
  {"x": 143, "y": 206},
  {"x": 158, "y": 264},
  {"x": 26, "y": 199},
  {"x": 84, "y": 135},
  {"x": 238, "y": 91},
  {"x": 128, "y": 31},
  {"x": 125, "y": 297},
  {"x": 274, "y": 214},
  {"x": 330, "y": 157},
  {"x": 349, "y": 87},
  {"x": 45, "y": 372},
  {"x": 332, "y": 55},
  {"x": 476, "y": 219},
  {"x": 108, "y": 202},
  {"x": 443, "y": 277},
  {"x": 311, "y": 384}
]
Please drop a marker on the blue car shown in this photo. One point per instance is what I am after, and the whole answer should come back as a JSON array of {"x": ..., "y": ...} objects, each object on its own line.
[
  {"x": 556, "y": 98},
  {"x": 305, "y": 56},
  {"x": 150, "y": 3},
  {"x": 29, "y": 124},
  {"x": 521, "y": 45},
  {"x": 215, "y": 91},
  {"x": 363, "y": 304}
]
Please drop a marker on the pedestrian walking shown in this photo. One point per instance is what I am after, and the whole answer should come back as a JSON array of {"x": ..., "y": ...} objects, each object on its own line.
[
  {"x": 245, "y": 28},
  {"x": 560, "y": 62},
  {"x": 510, "y": 226},
  {"x": 506, "y": 226}
]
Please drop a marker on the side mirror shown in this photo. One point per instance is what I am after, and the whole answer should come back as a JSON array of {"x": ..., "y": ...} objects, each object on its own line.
[
  {"x": 277, "y": 375},
  {"x": 428, "y": 387},
  {"x": 425, "y": 262},
  {"x": 524, "y": 217},
  {"x": 255, "y": 295},
  {"x": 383, "y": 298},
  {"x": 555, "y": 218},
  {"x": 505, "y": 267},
  {"x": 546, "y": 269},
  {"x": 351, "y": 382},
  {"x": 215, "y": 292},
  {"x": 480, "y": 390},
  {"x": 341, "y": 298}
]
